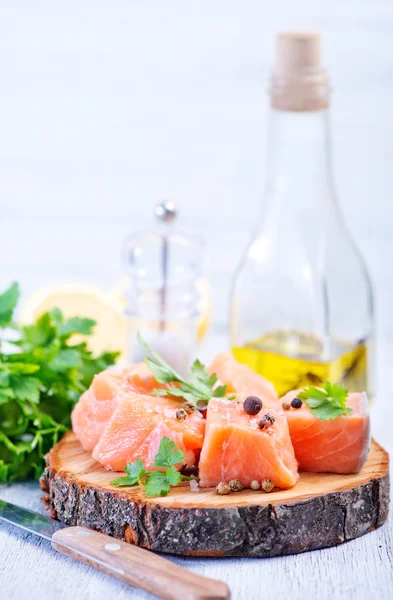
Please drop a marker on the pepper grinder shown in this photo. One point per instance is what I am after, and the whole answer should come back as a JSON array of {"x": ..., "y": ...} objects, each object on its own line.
[{"x": 162, "y": 299}]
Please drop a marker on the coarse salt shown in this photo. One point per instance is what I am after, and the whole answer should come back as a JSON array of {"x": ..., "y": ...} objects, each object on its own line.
[{"x": 194, "y": 485}]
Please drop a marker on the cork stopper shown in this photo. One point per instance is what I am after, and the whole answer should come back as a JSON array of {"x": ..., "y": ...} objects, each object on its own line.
[
  {"x": 299, "y": 83},
  {"x": 297, "y": 51}
]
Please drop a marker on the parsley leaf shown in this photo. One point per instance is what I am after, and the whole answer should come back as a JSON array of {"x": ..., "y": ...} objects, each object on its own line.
[
  {"x": 167, "y": 455},
  {"x": 124, "y": 481},
  {"x": 159, "y": 482},
  {"x": 199, "y": 389},
  {"x": 135, "y": 469},
  {"x": 26, "y": 388},
  {"x": 4, "y": 379},
  {"x": 326, "y": 402},
  {"x": 173, "y": 477},
  {"x": 8, "y": 302},
  {"x": 77, "y": 325}
]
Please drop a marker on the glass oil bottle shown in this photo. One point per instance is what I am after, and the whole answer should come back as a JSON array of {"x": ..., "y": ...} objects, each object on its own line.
[{"x": 301, "y": 300}]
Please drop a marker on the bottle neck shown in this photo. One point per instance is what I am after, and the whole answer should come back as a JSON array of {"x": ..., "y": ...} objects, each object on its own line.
[{"x": 299, "y": 163}]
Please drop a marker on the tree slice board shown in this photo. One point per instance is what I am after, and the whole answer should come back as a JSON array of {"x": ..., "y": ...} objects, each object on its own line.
[{"x": 320, "y": 511}]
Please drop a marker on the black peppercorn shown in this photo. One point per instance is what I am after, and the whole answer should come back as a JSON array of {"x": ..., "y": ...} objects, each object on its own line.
[
  {"x": 296, "y": 403},
  {"x": 223, "y": 488},
  {"x": 252, "y": 405},
  {"x": 266, "y": 422},
  {"x": 267, "y": 485},
  {"x": 235, "y": 485},
  {"x": 181, "y": 414},
  {"x": 188, "y": 407}
]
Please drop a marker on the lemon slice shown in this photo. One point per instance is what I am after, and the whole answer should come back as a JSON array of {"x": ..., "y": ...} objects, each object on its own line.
[{"x": 83, "y": 300}]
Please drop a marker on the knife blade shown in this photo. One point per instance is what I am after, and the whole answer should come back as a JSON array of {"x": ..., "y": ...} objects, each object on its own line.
[
  {"x": 29, "y": 520},
  {"x": 131, "y": 564}
]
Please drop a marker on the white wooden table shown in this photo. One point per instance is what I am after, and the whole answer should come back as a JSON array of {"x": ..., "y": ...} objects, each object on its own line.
[{"x": 358, "y": 570}]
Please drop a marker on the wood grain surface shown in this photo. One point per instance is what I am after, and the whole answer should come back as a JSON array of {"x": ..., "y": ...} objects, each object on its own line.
[{"x": 321, "y": 510}]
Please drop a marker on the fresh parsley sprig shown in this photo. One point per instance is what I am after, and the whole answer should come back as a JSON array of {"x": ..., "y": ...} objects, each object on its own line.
[
  {"x": 42, "y": 375},
  {"x": 155, "y": 483},
  {"x": 199, "y": 389},
  {"x": 329, "y": 401}
]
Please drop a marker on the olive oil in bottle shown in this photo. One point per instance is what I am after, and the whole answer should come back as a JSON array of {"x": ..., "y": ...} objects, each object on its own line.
[
  {"x": 301, "y": 304},
  {"x": 293, "y": 361}
]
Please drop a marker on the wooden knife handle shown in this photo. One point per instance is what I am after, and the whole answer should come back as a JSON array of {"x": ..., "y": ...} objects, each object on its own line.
[{"x": 139, "y": 567}]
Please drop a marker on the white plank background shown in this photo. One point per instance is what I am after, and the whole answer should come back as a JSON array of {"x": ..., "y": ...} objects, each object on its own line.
[{"x": 108, "y": 107}]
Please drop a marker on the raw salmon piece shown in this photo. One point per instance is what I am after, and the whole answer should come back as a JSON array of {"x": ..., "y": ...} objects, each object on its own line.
[
  {"x": 97, "y": 404},
  {"x": 235, "y": 447},
  {"x": 240, "y": 378},
  {"x": 336, "y": 446},
  {"x": 150, "y": 446},
  {"x": 137, "y": 427}
]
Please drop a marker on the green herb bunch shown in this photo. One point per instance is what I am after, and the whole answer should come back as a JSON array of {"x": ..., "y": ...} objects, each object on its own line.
[
  {"x": 159, "y": 482},
  {"x": 42, "y": 375}
]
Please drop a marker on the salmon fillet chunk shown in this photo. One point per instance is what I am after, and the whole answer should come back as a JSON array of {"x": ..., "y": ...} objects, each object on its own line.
[
  {"x": 137, "y": 427},
  {"x": 236, "y": 448},
  {"x": 241, "y": 379},
  {"x": 339, "y": 445},
  {"x": 96, "y": 406}
]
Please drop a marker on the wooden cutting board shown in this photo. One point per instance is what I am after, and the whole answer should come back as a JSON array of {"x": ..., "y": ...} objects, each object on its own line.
[{"x": 320, "y": 511}]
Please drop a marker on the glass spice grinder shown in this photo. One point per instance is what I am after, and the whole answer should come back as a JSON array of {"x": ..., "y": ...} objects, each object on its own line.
[{"x": 162, "y": 299}]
